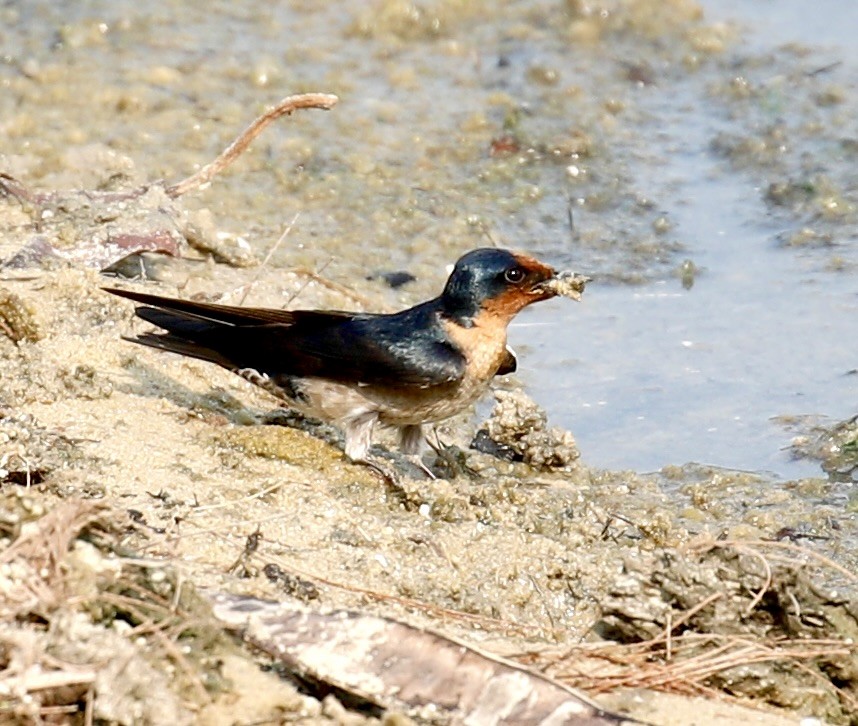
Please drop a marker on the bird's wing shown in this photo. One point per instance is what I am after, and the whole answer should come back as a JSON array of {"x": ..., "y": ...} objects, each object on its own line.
[
  {"x": 401, "y": 350},
  {"x": 509, "y": 363},
  {"x": 380, "y": 350}
]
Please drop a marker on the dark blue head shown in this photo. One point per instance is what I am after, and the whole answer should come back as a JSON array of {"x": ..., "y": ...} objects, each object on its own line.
[{"x": 496, "y": 282}]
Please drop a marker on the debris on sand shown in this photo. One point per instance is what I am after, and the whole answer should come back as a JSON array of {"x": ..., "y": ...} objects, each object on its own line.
[
  {"x": 96, "y": 228},
  {"x": 749, "y": 619},
  {"x": 29, "y": 452},
  {"x": 519, "y": 428},
  {"x": 19, "y": 319},
  {"x": 385, "y": 662}
]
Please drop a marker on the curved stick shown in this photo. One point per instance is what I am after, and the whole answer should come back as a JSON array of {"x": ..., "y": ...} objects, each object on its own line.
[{"x": 289, "y": 104}]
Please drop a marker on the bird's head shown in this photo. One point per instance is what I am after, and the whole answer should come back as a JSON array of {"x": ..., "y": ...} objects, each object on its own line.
[{"x": 495, "y": 282}]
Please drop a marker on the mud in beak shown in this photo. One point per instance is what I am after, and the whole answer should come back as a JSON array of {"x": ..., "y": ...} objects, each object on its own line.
[{"x": 564, "y": 284}]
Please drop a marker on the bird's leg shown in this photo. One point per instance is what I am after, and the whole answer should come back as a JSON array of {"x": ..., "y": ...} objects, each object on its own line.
[
  {"x": 437, "y": 445},
  {"x": 358, "y": 431},
  {"x": 410, "y": 440}
]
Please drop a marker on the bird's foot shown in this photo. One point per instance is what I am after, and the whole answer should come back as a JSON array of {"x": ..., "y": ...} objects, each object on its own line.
[
  {"x": 389, "y": 475},
  {"x": 417, "y": 462},
  {"x": 450, "y": 461}
]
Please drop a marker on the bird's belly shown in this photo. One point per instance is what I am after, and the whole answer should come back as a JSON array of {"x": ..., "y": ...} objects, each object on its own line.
[
  {"x": 401, "y": 407},
  {"x": 327, "y": 400},
  {"x": 428, "y": 405},
  {"x": 436, "y": 403},
  {"x": 338, "y": 403}
]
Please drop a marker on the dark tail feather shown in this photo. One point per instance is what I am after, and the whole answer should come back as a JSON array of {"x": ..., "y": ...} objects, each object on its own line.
[
  {"x": 182, "y": 324},
  {"x": 174, "y": 344},
  {"x": 226, "y": 314},
  {"x": 187, "y": 334}
]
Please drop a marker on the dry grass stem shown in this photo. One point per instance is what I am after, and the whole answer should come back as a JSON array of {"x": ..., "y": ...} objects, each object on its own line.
[
  {"x": 264, "y": 264},
  {"x": 313, "y": 276},
  {"x": 641, "y": 665},
  {"x": 41, "y": 547},
  {"x": 249, "y": 497},
  {"x": 774, "y": 544}
]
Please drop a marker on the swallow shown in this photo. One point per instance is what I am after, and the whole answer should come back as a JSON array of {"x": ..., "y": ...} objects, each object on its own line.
[{"x": 359, "y": 370}]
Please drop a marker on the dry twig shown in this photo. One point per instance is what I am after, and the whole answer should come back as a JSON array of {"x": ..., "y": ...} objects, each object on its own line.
[
  {"x": 236, "y": 148},
  {"x": 686, "y": 663}
]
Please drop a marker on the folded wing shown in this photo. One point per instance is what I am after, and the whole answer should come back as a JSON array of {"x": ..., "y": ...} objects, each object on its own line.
[{"x": 403, "y": 349}]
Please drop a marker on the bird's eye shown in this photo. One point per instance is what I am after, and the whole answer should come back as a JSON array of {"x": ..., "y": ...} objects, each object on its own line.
[{"x": 514, "y": 275}]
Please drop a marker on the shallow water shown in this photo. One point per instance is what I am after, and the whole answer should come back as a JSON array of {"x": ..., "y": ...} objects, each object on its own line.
[
  {"x": 659, "y": 373},
  {"x": 828, "y": 25}
]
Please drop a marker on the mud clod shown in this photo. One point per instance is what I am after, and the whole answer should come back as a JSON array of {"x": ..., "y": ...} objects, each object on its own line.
[
  {"x": 19, "y": 320},
  {"x": 519, "y": 428},
  {"x": 834, "y": 446},
  {"x": 29, "y": 453}
]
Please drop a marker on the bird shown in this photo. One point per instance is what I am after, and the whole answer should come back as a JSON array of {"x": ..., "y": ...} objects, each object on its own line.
[{"x": 358, "y": 370}]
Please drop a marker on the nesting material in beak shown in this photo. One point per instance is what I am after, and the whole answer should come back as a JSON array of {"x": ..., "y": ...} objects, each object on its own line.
[{"x": 567, "y": 284}]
